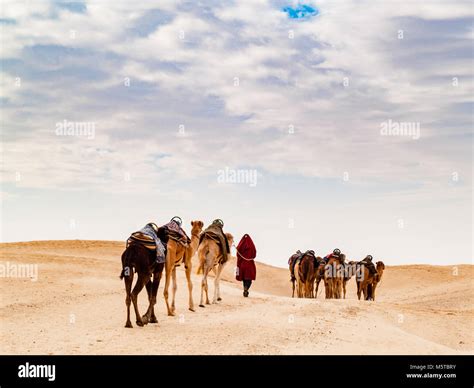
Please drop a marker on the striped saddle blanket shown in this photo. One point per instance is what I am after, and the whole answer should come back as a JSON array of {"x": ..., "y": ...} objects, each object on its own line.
[
  {"x": 154, "y": 238},
  {"x": 148, "y": 237}
]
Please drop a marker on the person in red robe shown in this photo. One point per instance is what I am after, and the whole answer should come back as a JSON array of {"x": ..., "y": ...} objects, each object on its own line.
[{"x": 246, "y": 271}]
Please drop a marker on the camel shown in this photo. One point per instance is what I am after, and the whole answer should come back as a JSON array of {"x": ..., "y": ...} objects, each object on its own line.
[
  {"x": 142, "y": 260},
  {"x": 349, "y": 271},
  {"x": 211, "y": 257},
  {"x": 333, "y": 277},
  {"x": 305, "y": 274},
  {"x": 176, "y": 254},
  {"x": 376, "y": 280},
  {"x": 292, "y": 273},
  {"x": 319, "y": 273},
  {"x": 367, "y": 282}
]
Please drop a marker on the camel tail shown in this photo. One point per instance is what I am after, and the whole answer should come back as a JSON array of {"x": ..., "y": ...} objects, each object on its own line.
[
  {"x": 202, "y": 254},
  {"x": 126, "y": 260}
]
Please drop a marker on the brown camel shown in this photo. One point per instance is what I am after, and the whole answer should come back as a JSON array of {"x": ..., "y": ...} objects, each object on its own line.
[
  {"x": 212, "y": 257},
  {"x": 319, "y": 273},
  {"x": 178, "y": 253},
  {"x": 141, "y": 260},
  {"x": 305, "y": 275},
  {"x": 376, "y": 280},
  {"x": 367, "y": 282},
  {"x": 333, "y": 275},
  {"x": 349, "y": 271},
  {"x": 291, "y": 265}
]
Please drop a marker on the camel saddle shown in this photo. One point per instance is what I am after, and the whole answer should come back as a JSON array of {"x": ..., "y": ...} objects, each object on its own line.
[
  {"x": 142, "y": 239},
  {"x": 216, "y": 233},
  {"x": 151, "y": 236},
  {"x": 370, "y": 266},
  {"x": 174, "y": 231}
]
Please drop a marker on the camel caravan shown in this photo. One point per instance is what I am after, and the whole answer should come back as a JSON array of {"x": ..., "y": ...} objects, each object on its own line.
[
  {"x": 308, "y": 270},
  {"x": 153, "y": 249}
]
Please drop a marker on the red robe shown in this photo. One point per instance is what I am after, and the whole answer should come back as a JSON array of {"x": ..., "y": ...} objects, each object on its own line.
[{"x": 246, "y": 253}]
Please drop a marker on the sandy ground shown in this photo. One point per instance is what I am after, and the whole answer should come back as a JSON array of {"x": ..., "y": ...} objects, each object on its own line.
[{"x": 76, "y": 306}]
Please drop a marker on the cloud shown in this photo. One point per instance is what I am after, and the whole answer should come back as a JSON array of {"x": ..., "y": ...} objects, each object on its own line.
[{"x": 231, "y": 76}]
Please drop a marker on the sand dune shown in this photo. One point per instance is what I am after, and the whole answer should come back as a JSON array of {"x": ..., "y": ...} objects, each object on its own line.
[{"x": 76, "y": 306}]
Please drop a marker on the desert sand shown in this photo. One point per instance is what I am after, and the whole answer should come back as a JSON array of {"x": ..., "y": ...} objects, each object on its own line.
[{"x": 76, "y": 306}]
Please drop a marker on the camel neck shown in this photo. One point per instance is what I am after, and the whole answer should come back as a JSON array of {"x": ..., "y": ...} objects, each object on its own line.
[{"x": 194, "y": 241}]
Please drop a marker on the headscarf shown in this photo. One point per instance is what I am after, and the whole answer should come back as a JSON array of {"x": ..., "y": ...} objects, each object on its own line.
[{"x": 246, "y": 249}]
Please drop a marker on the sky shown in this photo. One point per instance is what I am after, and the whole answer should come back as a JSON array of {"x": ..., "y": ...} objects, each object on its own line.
[{"x": 308, "y": 125}]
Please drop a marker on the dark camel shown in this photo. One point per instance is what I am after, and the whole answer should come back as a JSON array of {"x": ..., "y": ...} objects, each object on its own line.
[
  {"x": 367, "y": 282},
  {"x": 141, "y": 260},
  {"x": 319, "y": 273},
  {"x": 291, "y": 265}
]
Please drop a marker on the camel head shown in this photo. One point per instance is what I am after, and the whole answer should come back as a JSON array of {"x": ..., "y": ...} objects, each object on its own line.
[
  {"x": 230, "y": 238},
  {"x": 380, "y": 266},
  {"x": 196, "y": 228}
]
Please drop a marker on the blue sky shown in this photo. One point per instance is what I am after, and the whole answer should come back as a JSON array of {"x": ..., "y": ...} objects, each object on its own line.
[{"x": 178, "y": 91}]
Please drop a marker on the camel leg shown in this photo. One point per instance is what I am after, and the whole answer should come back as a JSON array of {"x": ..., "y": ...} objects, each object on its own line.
[
  {"x": 293, "y": 283},
  {"x": 374, "y": 285},
  {"x": 219, "y": 284},
  {"x": 175, "y": 287},
  {"x": 344, "y": 287},
  {"x": 188, "y": 267},
  {"x": 328, "y": 288},
  {"x": 317, "y": 287},
  {"x": 359, "y": 289},
  {"x": 152, "y": 290},
  {"x": 217, "y": 292},
  {"x": 128, "y": 299},
  {"x": 204, "y": 286},
  {"x": 365, "y": 291},
  {"x": 156, "y": 285},
  {"x": 170, "y": 260},
  {"x": 148, "y": 286},
  {"x": 141, "y": 281}
]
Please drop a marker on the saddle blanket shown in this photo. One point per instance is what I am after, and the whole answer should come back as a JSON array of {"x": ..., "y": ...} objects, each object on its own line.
[{"x": 147, "y": 236}]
